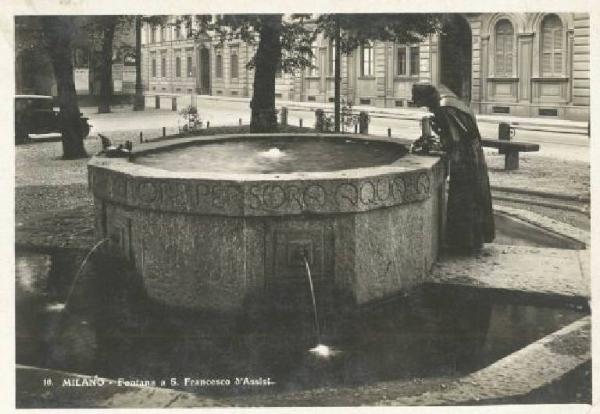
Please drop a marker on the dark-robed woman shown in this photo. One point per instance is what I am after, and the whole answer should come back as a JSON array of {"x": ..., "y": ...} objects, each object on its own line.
[{"x": 470, "y": 221}]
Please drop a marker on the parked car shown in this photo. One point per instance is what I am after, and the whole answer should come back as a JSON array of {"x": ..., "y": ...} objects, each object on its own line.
[{"x": 38, "y": 114}]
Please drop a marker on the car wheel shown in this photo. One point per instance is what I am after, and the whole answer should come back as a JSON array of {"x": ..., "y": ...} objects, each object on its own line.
[
  {"x": 21, "y": 136},
  {"x": 85, "y": 128}
]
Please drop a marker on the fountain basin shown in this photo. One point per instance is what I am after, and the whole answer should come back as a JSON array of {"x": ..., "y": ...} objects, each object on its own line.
[{"x": 216, "y": 239}]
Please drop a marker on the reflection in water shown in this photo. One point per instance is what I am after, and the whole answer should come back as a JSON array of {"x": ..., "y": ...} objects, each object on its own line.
[{"x": 112, "y": 331}]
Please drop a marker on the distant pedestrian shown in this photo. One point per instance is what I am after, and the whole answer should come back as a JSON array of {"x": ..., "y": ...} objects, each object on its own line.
[{"x": 470, "y": 220}]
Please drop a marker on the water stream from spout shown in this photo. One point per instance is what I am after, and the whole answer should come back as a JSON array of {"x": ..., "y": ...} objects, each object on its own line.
[
  {"x": 314, "y": 300},
  {"x": 59, "y": 307}
]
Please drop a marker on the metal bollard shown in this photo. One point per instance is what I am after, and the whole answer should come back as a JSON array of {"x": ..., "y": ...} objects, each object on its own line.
[
  {"x": 207, "y": 124},
  {"x": 363, "y": 122},
  {"x": 164, "y": 131},
  {"x": 141, "y": 137},
  {"x": 505, "y": 132},
  {"x": 319, "y": 120},
  {"x": 356, "y": 128},
  {"x": 389, "y": 132},
  {"x": 300, "y": 122},
  {"x": 240, "y": 121}
]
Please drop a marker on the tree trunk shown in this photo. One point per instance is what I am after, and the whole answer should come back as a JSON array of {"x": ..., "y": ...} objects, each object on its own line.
[
  {"x": 337, "y": 79},
  {"x": 138, "y": 103},
  {"x": 108, "y": 35},
  {"x": 58, "y": 32},
  {"x": 268, "y": 56}
]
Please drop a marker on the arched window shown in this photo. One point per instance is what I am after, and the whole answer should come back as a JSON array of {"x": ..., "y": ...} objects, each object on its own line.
[
  {"x": 504, "y": 48},
  {"x": 178, "y": 67},
  {"x": 367, "y": 67},
  {"x": 189, "y": 68},
  {"x": 552, "y": 46},
  {"x": 234, "y": 62},
  {"x": 218, "y": 64}
]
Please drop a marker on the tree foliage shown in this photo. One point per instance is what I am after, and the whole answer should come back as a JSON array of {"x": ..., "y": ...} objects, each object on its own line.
[
  {"x": 282, "y": 45},
  {"x": 349, "y": 31},
  {"x": 296, "y": 34},
  {"x": 104, "y": 27},
  {"x": 359, "y": 28}
]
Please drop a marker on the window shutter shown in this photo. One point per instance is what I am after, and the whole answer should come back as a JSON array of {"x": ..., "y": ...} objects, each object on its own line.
[
  {"x": 508, "y": 50},
  {"x": 552, "y": 45},
  {"x": 558, "y": 50},
  {"x": 414, "y": 60},
  {"x": 219, "y": 66},
  {"x": 401, "y": 61},
  {"x": 504, "y": 48}
]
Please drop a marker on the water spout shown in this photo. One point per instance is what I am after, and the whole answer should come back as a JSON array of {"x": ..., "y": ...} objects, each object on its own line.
[
  {"x": 320, "y": 350},
  {"x": 59, "y": 307},
  {"x": 314, "y": 300}
]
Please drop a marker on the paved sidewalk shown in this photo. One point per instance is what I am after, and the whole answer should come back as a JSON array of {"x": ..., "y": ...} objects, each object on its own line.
[
  {"x": 520, "y": 269},
  {"x": 220, "y": 112},
  {"x": 532, "y": 124}
]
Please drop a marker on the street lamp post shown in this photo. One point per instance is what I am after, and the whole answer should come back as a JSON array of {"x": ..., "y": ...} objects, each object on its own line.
[
  {"x": 138, "y": 102},
  {"x": 337, "y": 76}
]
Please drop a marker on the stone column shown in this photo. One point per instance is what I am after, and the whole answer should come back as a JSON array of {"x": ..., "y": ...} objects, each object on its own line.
[
  {"x": 484, "y": 71},
  {"x": 351, "y": 74},
  {"x": 569, "y": 65},
  {"x": 435, "y": 59},
  {"x": 524, "y": 73},
  {"x": 389, "y": 72},
  {"x": 323, "y": 70},
  {"x": 380, "y": 57}
]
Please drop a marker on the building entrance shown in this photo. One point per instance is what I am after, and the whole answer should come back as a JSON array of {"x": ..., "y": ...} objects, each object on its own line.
[{"x": 204, "y": 71}]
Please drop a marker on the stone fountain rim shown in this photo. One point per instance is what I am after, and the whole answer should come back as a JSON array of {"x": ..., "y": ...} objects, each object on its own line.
[
  {"x": 409, "y": 179},
  {"x": 125, "y": 165}
]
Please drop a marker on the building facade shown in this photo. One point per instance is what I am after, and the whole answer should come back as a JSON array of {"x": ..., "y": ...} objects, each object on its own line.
[{"x": 521, "y": 64}]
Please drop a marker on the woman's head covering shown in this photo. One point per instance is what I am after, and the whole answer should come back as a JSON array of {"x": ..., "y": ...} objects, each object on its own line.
[{"x": 425, "y": 94}]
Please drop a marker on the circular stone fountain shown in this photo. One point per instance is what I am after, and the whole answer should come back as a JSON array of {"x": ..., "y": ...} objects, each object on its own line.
[{"x": 210, "y": 222}]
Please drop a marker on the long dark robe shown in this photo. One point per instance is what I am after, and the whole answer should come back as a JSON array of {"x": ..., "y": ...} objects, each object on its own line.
[{"x": 470, "y": 220}]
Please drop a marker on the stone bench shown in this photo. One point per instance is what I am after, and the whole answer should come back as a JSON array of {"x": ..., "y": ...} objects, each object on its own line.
[{"x": 511, "y": 150}]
